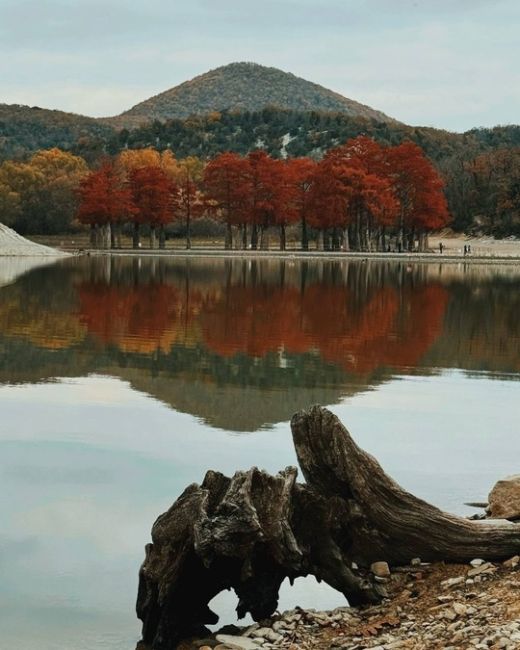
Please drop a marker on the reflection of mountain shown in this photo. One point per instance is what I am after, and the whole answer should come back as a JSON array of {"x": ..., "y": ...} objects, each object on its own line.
[{"x": 243, "y": 344}]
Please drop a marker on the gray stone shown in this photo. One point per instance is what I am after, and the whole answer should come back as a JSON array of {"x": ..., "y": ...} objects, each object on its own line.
[
  {"x": 238, "y": 642},
  {"x": 476, "y": 571}
]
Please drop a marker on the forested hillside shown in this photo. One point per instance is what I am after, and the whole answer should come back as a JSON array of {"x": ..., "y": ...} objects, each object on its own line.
[
  {"x": 296, "y": 133},
  {"x": 25, "y": 130}
]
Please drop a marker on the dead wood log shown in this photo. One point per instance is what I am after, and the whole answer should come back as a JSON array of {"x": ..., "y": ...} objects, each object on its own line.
[
  {"x": 385, "y": 521},
  {"x": 250, "y": 532}
]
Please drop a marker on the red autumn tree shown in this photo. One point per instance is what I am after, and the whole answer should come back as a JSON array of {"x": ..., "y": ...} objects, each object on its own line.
[
  {"x": 331, "y": 198},
  {"x": 261, "y": 196},
  {"x": 419, "y": 187},
  {"x": 105, "y": 202},
  {"x": 363, "y": 176},
  {"x": 226, "y": 183},
  {"x": 302, "y": 171},
  {"x": 153, "y": 194},
  {"x": 285, "y": 195}
]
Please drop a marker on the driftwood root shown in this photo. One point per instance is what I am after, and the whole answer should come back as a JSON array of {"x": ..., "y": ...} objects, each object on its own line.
[{"x": 252, "y": 531}]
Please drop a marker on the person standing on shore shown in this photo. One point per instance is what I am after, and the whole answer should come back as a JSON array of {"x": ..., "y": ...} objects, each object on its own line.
[{"x": 441, "y": 247}]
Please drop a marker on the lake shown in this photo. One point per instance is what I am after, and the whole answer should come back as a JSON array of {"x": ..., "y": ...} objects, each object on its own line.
[{"x": 122, "y": 380}]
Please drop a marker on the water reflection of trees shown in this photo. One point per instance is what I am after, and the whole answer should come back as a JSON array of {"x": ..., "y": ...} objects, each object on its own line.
[
  {"x": 205, "y": 335},
  {"x": 360, "y": 317},
  {"x": 389, "y": 327}
]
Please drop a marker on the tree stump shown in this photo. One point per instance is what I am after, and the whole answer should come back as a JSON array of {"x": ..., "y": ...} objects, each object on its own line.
[{"x": 250, "y": 532}]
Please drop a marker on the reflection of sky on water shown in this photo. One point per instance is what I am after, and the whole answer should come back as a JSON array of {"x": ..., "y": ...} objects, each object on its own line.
[{"x": 86, "y": 465}]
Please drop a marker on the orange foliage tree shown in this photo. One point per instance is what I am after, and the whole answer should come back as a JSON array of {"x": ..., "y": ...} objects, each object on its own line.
[{"x": 189, "y": 203}]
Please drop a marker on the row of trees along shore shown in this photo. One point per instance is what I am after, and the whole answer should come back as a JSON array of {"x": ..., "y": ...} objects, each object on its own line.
[{"x": 360, "y": 196}]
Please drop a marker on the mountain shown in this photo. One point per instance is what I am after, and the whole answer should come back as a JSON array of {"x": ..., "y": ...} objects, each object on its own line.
[
  {"x": 243, "y": 87},
  {"x": 25, "y": 129}
]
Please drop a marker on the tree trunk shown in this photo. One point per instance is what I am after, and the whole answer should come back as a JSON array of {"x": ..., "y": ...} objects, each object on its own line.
[
  {"x": 326, "y": 239},
  {"x": 254, "y": 237},
  {"x": 335, "y": 239},
  {"x": 346, "y": 242},
  {"x": 400, "y": 233},
  {"x": 264, "y": 238},
  {"x": 367, "y": 236},
  {"x": 244, "y": 236},
  {"x": 93, "y": 242},
  {"x": 359, "y": 245},
  {"x": 117, "y": 232},
  {"x": 411, "y": 240},
  {"x": 188, "y": 230},
  {"x": 305, "y": 236},
  {"x": 228, "y": 245},
  {"x": 107, "y": 238},
  {"x": 152, "y": 236},
  {"x": 162, "y": 237},
  {"x": 282, "y": 237},
  {"x": 136, "y": 236},
  {"x": 112, "y": 235}
]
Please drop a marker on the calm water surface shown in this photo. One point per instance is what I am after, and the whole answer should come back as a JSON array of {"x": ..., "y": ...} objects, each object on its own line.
[{"x": 121, "y": 381}]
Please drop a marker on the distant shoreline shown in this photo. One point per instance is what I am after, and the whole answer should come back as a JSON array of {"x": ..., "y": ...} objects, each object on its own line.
[{"x": 430, "y": 258}]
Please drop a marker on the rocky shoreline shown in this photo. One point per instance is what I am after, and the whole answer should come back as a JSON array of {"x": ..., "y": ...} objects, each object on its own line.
[{"x": 429, "y": 607}]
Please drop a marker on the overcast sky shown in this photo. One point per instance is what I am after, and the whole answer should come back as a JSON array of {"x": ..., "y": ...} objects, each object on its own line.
[{"x": 452, "y": 64}]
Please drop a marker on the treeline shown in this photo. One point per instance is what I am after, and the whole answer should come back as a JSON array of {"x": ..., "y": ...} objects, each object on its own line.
[
  {"x": 38, "y": 196},
  {"x": 460, "y": 158},
  {"x": 284, "y": 133},
  {"x": 360, "y": 196}
]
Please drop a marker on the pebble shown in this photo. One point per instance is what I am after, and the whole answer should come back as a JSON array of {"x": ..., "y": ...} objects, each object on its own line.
[
  {"x": 452, "y": 582},
  {"x": 237, "y": 642},
  {"x": 513, "y": 562},
  {"x": 457, "y": 619},
  {"x": 380, "y": 569}
]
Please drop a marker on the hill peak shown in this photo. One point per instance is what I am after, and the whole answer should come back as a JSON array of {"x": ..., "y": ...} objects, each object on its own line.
[{"x": 244, "y": 86}]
